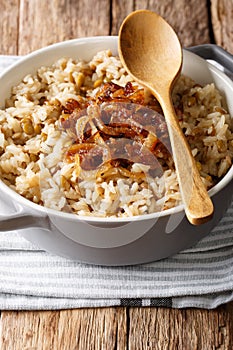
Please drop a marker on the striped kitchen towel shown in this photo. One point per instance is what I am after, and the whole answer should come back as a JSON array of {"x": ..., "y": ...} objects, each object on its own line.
[{"x": 31, "y": 278}]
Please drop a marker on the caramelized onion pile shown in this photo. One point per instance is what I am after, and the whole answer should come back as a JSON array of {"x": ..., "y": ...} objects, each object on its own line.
[{"x": 115, "y": 129}]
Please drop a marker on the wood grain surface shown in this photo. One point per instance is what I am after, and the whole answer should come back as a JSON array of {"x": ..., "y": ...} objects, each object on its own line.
[
  {"x": 222, "y": 16},
  {"x": 82, "y": 329},
  {"x": 118, "y": 329},
  {"x": 27, "y": 25}
]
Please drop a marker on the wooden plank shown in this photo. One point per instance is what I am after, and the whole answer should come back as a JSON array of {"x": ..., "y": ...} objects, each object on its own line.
[
  {"x": 169, "y": 329},
  {"x": 120, "y": 9},
  {"x": 9, "y": 12},
  {"x": 97, "y": 329},
  {"x": 222, "y": 15},
  {"x": 93, "y": 329},
  {"x": 188, "y": 18},
  {"x": 45, "y": 22}
]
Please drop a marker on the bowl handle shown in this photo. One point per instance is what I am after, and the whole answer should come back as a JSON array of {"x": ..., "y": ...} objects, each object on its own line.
[
  {"x": 216, "y": 53},
  {"x": 21, "y": 219}
]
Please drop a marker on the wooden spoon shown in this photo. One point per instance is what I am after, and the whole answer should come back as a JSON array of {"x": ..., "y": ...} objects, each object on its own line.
[{"x": 151, "y": 53}]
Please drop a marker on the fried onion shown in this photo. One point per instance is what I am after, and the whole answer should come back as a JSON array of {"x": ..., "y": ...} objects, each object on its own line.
[{"x": 116, "y": 130}]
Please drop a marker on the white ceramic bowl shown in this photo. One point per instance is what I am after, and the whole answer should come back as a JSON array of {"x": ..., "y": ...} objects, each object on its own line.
[{"x": 109, "y": 241}]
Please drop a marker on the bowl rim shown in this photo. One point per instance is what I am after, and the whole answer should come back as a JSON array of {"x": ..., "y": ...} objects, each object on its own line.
[{"x": 97, "y": 219}]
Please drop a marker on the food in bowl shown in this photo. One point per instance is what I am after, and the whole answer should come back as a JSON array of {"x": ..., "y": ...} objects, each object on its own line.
[{"x": 82, "y": 137}]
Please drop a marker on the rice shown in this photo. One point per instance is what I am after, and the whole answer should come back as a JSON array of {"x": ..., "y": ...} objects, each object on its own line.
[{"x": 33, "y": 146}]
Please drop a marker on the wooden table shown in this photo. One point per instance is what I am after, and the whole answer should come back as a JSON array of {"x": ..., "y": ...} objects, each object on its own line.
[{"x": 27, "y": 25}]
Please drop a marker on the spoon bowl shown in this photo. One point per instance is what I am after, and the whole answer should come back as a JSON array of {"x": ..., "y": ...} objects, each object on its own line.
[
  {"x": 148, "y": 45},
  {"x": 151, "y": 53}
]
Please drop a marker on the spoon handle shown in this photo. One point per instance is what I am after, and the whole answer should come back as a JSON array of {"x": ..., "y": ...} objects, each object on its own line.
[{"x": 197, "y": 203}]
